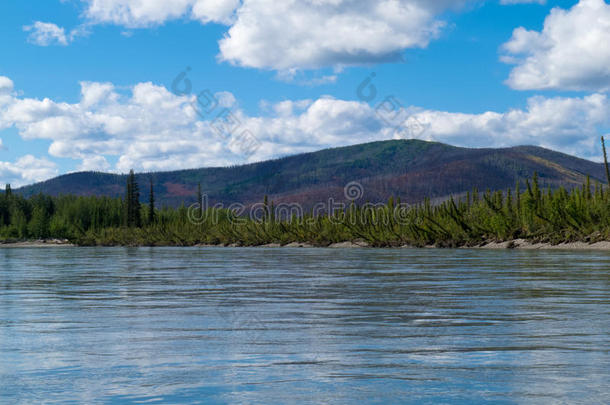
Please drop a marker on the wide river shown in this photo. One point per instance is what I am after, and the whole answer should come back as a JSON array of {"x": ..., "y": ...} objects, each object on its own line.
[{"x": 318, "y": 326}]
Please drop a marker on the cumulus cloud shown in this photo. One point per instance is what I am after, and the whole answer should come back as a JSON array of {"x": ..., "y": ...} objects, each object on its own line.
[
  {"x": 138, "y": 13},
  {"x": 6, "y": 90},
  {"x": 568, "y": 54},
  {"x": 286, "y": 35},
  {"x": 283, "y": 35},
  {"x": 6, "y": 85},
  {"x": 296, "y": 34},
  {"x": 149, "y": 128},
  {"x": 27, "y": 169},
  {"x": 570, "y": 125},
  {"x": 132, "y": 14},
  {"x": 220, "y": 11}
]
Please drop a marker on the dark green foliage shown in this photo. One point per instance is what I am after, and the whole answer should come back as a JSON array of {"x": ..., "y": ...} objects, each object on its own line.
[
  {"x": 5, "y": 208},
  {"x": 151, "y": 205},
  {"x": 200, "y": 200},
  {"x": 540, "y": 213},
  {"x": 132, "y": 202},
  {"x": 42, "y": 211},
  {"x": 62, "y": 217},
  {"x": 606, "y": 161},
  {"x": 551, "y": 216}
]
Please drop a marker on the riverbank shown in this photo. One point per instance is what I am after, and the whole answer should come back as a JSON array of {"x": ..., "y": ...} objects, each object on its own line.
[
  {"x": 36, "y": 243},
  {"x": 519, "y": 244},
  {"x": 527, "y": 245}
]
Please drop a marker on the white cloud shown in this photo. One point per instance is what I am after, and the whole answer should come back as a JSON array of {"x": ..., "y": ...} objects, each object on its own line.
[
  {"x": 287, "y": 35},
  {"x": 6, "y": 85},
  {"x": 46, "y": 34},
  {"x": 220, "y": 11},
  {"x": 570, "y": 125},
  {"x": 133, "y": 14},
  {"x": 570, "y": 52},
  {"x": 94, "y": 163},
  {"x": 301, "y": 34},
  {"x": 149, "y": 128},
  {"x": 27, "y": 169},
  {"x": 282, "y": 35},
  {"x": 139, "y": 13},
  {"x": 6, "y": 90}
]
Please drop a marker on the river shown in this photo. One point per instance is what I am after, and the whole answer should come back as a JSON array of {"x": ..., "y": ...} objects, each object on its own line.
[{"x": 319, "y": 326}]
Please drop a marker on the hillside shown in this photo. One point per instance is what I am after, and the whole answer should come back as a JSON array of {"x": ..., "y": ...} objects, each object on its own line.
[{"x": 408, "y": 169}]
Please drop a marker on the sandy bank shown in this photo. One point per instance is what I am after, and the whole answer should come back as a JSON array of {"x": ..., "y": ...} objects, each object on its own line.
[{"x": 36, "y": 243}]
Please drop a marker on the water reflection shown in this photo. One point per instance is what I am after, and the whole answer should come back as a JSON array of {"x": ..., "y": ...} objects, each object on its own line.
[{"x": 303, "y": 326}]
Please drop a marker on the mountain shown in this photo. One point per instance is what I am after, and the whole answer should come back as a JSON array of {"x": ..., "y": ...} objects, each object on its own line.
[{"x": 406, "y": 169}]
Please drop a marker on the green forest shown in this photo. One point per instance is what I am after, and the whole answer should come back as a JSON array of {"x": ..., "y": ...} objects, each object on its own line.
[{"x": 526, "y": 211}]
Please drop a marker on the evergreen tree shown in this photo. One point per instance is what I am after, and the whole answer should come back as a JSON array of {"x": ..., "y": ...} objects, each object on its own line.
[
  {"x": 200, "y": 200},
  {"x": 19, "y": 222},
  {"x": 5, "y": 207},
  {"x": 39, "y": 224},
  {"x": 136, "y": 204},
  {"x": 128, "y": 198},
  {"x": 266, "y": 213},
  {"x": 132, "y": 202},
  {"x": 151, "y": 207},
  {"x": 606, "y": 161}
]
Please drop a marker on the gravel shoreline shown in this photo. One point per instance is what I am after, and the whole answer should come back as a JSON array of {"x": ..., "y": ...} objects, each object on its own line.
[
  {"x": 36, "y": 243},
  {"x": 520, "y": 244}
]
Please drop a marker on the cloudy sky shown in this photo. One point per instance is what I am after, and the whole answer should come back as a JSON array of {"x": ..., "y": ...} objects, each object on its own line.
[{"x": 160, "y": 85}]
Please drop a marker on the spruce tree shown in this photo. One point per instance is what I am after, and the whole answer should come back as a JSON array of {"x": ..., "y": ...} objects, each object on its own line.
[
  {"x": 137, "y": 220},
  {"x": 266, "y": 208},
  {"x": 4, "y": 210},
  {"x": 132, "y": 202},
  {"x": 5, "y": 206},
  {"x": 151, "y": 207},
  {"x": 200, "y": 200},
  {"x": 39, "y": 224},
  {"x": 518, "y": 197},
  {"x": 128, "y": 198},
  {"x": 606, "y": 160}
]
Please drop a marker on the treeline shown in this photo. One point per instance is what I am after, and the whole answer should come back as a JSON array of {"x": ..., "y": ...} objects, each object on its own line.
[
  {"x": 66, "y": 217},
  {"x": 526, "y": 211},
  {"x": 554, "y": 216}
]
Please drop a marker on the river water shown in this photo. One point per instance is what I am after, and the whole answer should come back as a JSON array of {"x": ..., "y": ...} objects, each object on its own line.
[{"x": 319, "y": 326}]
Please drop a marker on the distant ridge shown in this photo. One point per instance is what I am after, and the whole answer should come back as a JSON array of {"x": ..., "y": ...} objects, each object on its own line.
[{"x": 407, "y": 169}]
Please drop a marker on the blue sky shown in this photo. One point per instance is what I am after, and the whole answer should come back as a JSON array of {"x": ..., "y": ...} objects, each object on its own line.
[{"x": 88, "y": 84}]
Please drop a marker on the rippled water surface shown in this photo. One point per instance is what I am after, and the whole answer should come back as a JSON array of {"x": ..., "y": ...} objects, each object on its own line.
[{"x": 319, "y": 326}]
